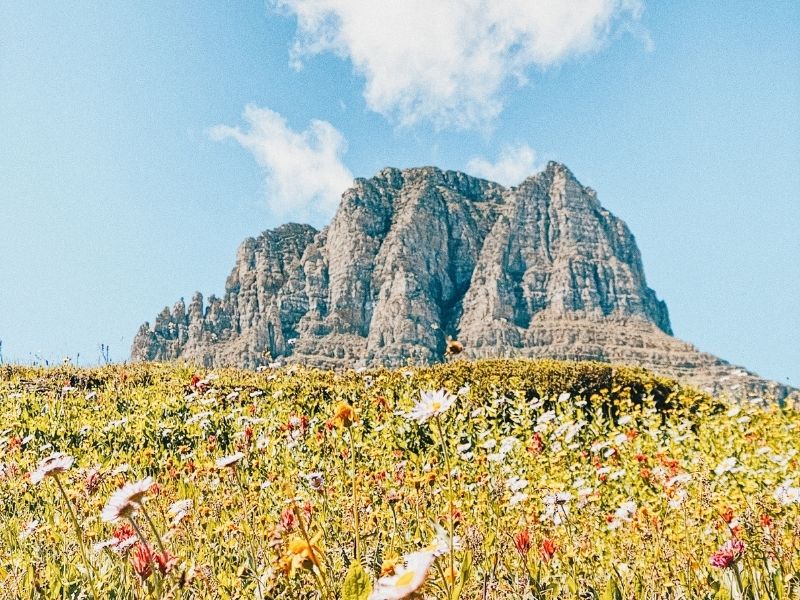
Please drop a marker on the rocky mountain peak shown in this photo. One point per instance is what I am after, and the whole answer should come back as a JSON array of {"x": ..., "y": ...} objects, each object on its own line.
[{"x": 415, "y": 255}]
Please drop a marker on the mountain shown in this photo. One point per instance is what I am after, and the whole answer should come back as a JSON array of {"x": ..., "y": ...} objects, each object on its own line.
[{"x": 413, "y": 256}]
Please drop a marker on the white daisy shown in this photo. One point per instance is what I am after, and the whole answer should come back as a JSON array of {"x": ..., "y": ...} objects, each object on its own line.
[
  {"x": 546, "y": 417},
  {"x": 583, "y": 496},
  {"x": 726, "y": 466},
  {"x": 507, "y": 444},
  {"x": 678, "y": 499},
  {"x": 559, "y": 498},
  {"x": 316, "y": 481},
  {"x": 229, "y": 461},
  {"x": 786, "y": 494},
  {"x": 556, "y": 507},
  {"x": 126, "y": 500},
  {"x": 679, "y": 480},
  {"x": 517, "y": 498},
  {"x": 109, "y": 543},
  {"x": 176, "y": 520},
  {"x": 440, "y": 545},
  {"x": 625, "y": 511},
  {"x": 623, "y": 514},
  {"x": 617, "y": 475},
  {"x": 28, "y": 529},
  {"x": 123, "y": 468},
  {"x": 58, "y": 462},
  {"x": 406, "y": 580},
  {"x": 431, "y": 404},
  {"x": 515, "y": 484},
  {"x": 126, "y": 544},
  {"x": 180, "y": 506},
  {"x": 573, "y": 430}
]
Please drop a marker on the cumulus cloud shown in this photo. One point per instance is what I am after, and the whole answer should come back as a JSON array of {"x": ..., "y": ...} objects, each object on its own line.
[
  {"x": 304, "y": 172},
  {"x": 448, "y": 61},
  {"x": 513, "y": 165}
]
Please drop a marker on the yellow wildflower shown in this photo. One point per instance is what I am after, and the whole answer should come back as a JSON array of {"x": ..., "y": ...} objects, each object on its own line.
[
  {"x": 301, "y": 554},
  {"x": 343, "y": 415},
  {"x": 389, "y": 564}
]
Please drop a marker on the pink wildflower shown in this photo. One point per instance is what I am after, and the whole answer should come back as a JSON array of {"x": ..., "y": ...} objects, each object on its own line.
[{"x": 727, "y": 554}]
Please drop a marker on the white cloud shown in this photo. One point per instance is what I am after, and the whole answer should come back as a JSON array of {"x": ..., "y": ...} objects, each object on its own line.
[
  {"x": 448, "y": 61},
  {"x": 514, "y": 164},
  {"x": 304, "y": 173}
]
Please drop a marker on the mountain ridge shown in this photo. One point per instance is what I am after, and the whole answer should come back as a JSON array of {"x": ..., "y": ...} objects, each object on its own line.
[{"x": 412, "y": 256}]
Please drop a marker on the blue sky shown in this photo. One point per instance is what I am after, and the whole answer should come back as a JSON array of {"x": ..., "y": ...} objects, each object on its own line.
[{"x": 142, "y": 142}]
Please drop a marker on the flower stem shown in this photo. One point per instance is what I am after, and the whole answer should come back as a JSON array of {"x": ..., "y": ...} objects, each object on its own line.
[
  {"x": 449, "y": 502},
  {"x": 252, "y": 519},
  {"x": 394, "y": 532},
  {"x": 138, "y": 531},
  {"x": 155, "y": 532},
  {"x": 155, "y": 570},
  {"x": 78, "y": 534},
  {"x": 324, "y": 589},
  {"x": 355, "y": 496},
  {"x": 735, "y": 569}
]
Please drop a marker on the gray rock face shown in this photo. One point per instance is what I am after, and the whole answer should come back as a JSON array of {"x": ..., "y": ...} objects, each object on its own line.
[
  {"x": 412, "y": 256},
  {"x": 264, "y": 300}
]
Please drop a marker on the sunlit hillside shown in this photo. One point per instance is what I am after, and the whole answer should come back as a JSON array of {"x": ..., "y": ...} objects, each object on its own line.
[{"x": 488, "y": 480}]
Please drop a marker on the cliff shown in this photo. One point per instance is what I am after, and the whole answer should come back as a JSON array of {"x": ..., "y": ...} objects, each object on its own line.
[{"x": 413, "y": 256}]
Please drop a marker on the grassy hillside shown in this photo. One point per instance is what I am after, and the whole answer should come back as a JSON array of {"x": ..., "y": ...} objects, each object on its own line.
[{"x": 534, "y": 480}]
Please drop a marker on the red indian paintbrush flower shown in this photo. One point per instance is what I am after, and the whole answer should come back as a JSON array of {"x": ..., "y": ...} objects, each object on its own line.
[
  {"x": 143, "y": 558},
  {"x": 522, "y": 540},
  {"x": 548, "y": 549}
]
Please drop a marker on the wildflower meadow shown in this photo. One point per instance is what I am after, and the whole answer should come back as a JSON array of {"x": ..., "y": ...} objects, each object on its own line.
[{"x": 490, "y": 480}]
